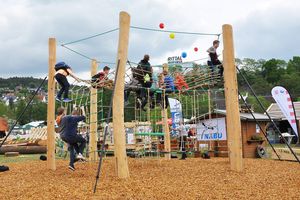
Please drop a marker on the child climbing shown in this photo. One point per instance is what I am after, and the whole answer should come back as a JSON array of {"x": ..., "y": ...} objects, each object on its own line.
[
  {"x": 101, "y": 80},
  {"x": 161, "y": 85},
  {"x": 213, "y": 58},
  {"x": 180, "y": 82},
  {"x": 62, "y": 71},
  {"x": 167, "y": 85},
  {"x": 60, "y": 114}
]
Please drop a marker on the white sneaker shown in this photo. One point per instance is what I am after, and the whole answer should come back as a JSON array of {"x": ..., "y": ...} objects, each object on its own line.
[{"x": 80, "y": 157}]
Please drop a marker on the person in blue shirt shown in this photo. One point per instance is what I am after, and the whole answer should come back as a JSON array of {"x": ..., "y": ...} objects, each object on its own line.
[
  {"x": 167, "y": 87},
  {"x": 68, "y": 133}
]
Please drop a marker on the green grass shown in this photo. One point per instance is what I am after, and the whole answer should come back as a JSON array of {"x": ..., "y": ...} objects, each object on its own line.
[
  {"x": 284, "y": 146},
  {"x": 21, "y": 158}
]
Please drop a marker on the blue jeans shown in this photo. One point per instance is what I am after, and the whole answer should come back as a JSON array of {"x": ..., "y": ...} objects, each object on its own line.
[{"x": 76, "y": 144}]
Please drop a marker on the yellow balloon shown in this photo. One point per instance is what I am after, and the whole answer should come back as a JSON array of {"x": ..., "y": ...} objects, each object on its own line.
[{"x": 172, "y": 35}]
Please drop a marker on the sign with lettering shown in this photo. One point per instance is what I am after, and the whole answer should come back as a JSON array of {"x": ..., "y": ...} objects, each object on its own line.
[
  {"x": 174, "y": 60},
  {"x": 211, "y": 129}
]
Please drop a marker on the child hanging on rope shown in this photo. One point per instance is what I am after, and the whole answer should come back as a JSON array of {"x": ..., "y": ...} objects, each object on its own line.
[
  {"x": 62, "y": 71},
  {"x": 213, "y": 58},
  {"x": 68, "y": 134},
  {"x": 180, "y": 82},
  {"x": 101, "y": 80}
]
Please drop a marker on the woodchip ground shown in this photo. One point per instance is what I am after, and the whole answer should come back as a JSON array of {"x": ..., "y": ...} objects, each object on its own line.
[{"x": 194, "y": 178}]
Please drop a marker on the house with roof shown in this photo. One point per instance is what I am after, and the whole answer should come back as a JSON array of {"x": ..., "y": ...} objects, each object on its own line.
[{"x": 252, "y": 135}]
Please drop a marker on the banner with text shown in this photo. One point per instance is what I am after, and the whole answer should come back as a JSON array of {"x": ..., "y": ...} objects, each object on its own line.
[
  {"x": 176, "y": 113},
  {"x": 211, "y": 129}
]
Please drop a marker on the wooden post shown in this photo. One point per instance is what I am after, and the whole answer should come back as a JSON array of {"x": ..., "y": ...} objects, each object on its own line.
[
  {"x": 51, "y": 106},
  {"x": 209, "y": 114},
  {"x": 118, "y": 99},
  {"x": 209, "y": 103},
  {"x": 233, "y": 121},
  {"x": 93, "y": 117},
  {"x": 167, "y": 140}
]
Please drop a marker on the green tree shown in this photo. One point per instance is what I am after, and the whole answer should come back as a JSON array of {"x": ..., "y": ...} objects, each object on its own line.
[
  {"x": 5, "y": 111},
  {"x": 19, "y": 109},
  {"x": 273, "y": 70},
  {"x": 293, "y": 65},
  {"x": 256, "y": 106}
]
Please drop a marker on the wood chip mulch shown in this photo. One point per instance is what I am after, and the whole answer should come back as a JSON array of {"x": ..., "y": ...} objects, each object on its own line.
[{"x": 194, "y": 178}]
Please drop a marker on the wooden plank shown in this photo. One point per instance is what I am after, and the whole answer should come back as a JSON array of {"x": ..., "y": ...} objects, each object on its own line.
[
  {"x": 167, "y": 139},
  {"x": 51, "y": 106},
  {"x": 118, "y": 99},
  {"x": 233, "y": 121}
]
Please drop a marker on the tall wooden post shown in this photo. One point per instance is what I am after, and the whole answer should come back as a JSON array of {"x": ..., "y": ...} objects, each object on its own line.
[
  {"x": 51, "y": 106},
  {"x": 233, "y": 121},
  {"x": 167, "y": 139},
  {"x": 209, "y": 114},
  {"x": 118, "y": 99},
  {"x": 209, "y": 103},
  {"x": 93, "y": 117}
]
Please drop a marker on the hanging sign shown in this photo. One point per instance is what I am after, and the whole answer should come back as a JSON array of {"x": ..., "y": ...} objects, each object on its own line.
[{"x": 211, "y": 129}]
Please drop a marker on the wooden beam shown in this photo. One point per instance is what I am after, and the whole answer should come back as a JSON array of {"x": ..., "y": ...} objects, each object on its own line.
[
  {"x": 233, "y": 121},
  {"x": 93, "y": 117},
  {"x": 51, "y": 106},
  {"x": 167, "y": 139},
  {"x": 118, "y": 99}
]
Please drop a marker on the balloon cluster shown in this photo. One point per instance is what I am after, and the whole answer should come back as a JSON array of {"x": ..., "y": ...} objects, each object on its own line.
[{"x": 172, "y": 36}]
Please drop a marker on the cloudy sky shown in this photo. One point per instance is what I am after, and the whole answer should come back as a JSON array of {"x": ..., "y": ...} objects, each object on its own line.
[{"x": 262, "y": 29}]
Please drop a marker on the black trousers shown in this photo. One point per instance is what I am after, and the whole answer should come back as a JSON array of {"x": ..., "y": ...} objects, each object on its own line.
[
  {"x": 212, "y": 66},
  {"x": 182, "y": 142},
  {"x": 2, "y": 134},
  {"x": 144, "y": 93},
  {"x": 159, "y": 98},
  {"x": 64, "y": 84}
]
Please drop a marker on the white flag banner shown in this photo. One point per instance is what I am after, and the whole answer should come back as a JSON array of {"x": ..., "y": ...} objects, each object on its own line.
[
  {"x": 176, "y": 112},
  {"x": 284, "y": 101}
]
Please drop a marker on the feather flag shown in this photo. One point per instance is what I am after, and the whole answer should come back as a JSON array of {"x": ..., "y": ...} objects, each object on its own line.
[{"x": 284, "y": 101}]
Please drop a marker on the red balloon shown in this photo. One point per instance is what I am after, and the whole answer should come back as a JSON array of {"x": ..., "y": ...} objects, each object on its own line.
[
  {"x": 161, "y": 25},
  {"x": 195, "y": 49}
]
